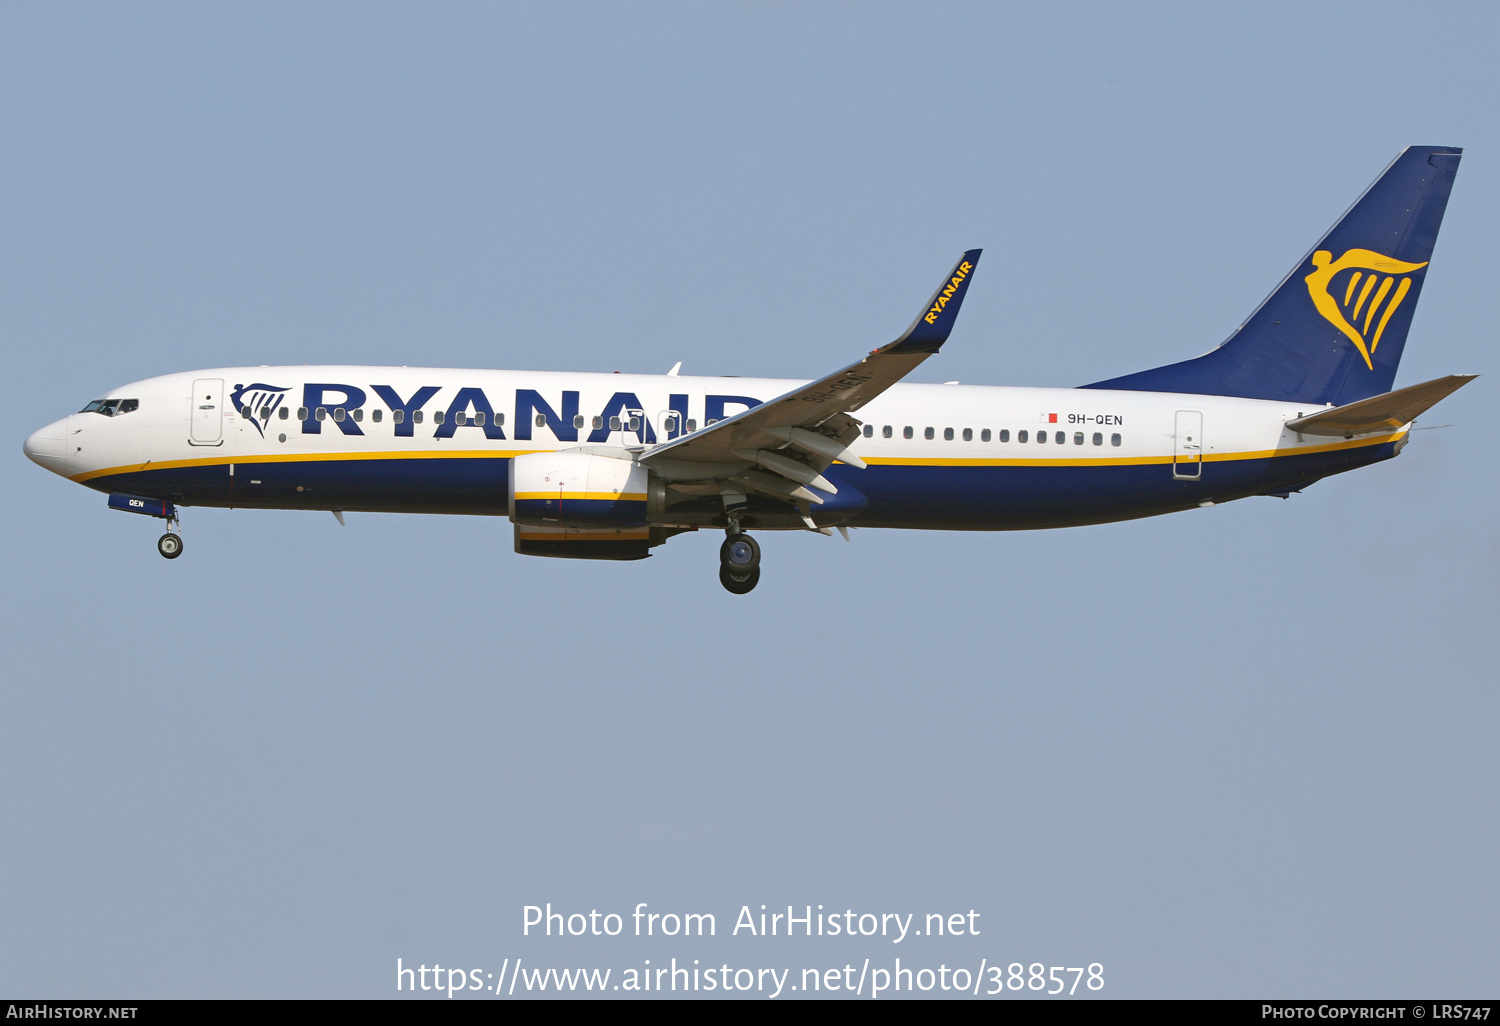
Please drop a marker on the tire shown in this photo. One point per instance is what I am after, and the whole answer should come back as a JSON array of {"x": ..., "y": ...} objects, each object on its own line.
[
  {"x": 169, "y": 545},
  {"x": 739, "y": 555},
  {"x": 739, "y": 585}
]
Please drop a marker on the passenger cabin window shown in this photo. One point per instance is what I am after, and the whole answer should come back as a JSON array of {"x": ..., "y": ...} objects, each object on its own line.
[
  {"x": 614, "y": 423},
  {"x": 947, "y": 434},
  {"x": 906, "y": 431},
  {"x": 1061, "y": 438},
  {"x": 338, "y": 414},
  {"x": 577, "y": 421},
  {"x": 359, "y": 415},
  {"x": 984, "y": 436},
  {"x": 541, "y": 420},
  {"x": 1041, "y": 437},
  {"x": 479, "y": 418},
  {"x": 322, "y": 413},
  {"x": 398, "y": 416},
  {"x": 1077, "y": 437},
  {"x": 437, "y": 416},
  {"x": 969, "y": 435},
  {"x": 416, "y": 417},
  {"x": 1098, "y": 438},
  {"x": 598, "y": 423},
  {"x": 1020, "y": 436},
  {"x": 886, "y": 432},
  {"x": 1005, "y": 435},
  {"x": 692, "y": 425},
  {"x": 302, "y": 413},
  {"x": 869, "y": 431},
  {"x": 1114, "y": 439},
  {"x": 929, "y": 434},
  {"x": 375, "y": 415}
]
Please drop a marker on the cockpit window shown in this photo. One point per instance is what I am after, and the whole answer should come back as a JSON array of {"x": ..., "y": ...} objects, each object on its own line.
[{"x": 111, "y": 407}]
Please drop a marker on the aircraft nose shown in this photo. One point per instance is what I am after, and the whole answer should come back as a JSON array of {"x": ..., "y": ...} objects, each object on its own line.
[{"x": 48, "y": 447}]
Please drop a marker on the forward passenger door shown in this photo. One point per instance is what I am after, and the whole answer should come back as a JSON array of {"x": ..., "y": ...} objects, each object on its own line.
[{"x": 207, "y": 412}]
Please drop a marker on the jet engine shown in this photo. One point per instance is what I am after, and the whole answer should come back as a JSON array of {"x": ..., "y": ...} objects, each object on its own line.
[{"x": 578, "y": 489}]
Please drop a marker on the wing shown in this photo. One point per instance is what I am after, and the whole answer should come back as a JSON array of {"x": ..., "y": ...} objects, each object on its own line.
[{"x": 780, "y": 447}]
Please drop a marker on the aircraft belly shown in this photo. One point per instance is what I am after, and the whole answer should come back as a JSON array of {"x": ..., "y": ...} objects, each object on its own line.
[
  {"x": 1018, "y": 497},
  {"x": 928, "y": 497},
  {"x": 466, "y": 485}
]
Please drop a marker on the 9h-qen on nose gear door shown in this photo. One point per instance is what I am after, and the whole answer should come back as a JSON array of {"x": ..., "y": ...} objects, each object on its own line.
[
  {"x": 207, "y": 412},
  {"x": 1187, "y": 446}
]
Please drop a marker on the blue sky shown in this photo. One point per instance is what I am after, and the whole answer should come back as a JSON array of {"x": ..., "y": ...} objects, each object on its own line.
[{"x": 1241, "y": 751}]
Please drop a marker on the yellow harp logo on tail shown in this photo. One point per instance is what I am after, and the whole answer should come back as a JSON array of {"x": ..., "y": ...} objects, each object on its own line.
[{"x": 1373, "y": 273}]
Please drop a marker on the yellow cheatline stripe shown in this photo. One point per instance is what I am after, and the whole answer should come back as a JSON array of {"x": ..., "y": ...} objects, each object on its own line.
[
  {"x": 1099, "y": 461},
  {"x": 584, "y": 496},
  {"x": 505, "y": 454},
  {"x": 312, "y": 457},
  {"x": 1118, "y": 461}
]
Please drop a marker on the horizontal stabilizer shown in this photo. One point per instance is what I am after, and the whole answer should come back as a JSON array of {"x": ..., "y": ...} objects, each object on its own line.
[{"x": 1382, "y": 412}]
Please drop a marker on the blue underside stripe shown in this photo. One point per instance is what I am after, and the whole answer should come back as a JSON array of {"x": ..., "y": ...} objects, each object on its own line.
[{"x": 958, "y": 497}]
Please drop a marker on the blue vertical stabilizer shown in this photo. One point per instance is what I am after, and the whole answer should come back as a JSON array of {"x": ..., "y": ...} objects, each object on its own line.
[{"x": 1333, "y": 331}]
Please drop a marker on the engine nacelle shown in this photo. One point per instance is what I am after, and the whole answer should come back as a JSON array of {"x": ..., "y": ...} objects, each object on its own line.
[
  {"x": 572, "y": 543},
  {"x": 574, "y": 488}
]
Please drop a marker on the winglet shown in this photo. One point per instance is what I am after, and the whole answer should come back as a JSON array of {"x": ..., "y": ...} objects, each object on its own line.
[{"x": 935, "y": 323}]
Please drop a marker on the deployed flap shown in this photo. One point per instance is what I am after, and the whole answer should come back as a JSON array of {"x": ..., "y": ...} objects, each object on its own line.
[
  {"x": 1381, "y": 412},
  {"x": 815, "y": 404}
]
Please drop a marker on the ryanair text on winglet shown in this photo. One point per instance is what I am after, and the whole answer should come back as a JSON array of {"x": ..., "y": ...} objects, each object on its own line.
[{"x": 947, "y": 293}]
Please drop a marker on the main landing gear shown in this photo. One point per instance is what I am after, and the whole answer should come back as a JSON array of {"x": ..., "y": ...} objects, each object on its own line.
[{"x": 739, "y": 562}]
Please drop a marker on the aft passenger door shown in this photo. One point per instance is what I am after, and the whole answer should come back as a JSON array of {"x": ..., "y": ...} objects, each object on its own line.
[
  {"x": 1187, "y": 446},
  {"x": 207, "y": 412}
]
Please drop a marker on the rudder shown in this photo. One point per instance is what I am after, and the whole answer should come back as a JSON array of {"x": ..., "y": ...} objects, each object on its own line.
[{"x": 1334, "y": 329}]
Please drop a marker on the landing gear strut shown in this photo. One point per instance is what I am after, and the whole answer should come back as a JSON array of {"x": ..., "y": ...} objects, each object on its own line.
[
  {"x": 170, "y": 544},
  {"x": 739, "y": 562}
]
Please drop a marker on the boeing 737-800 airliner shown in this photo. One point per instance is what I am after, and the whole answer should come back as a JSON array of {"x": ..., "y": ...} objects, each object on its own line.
[{"x": 608, "y": 466}]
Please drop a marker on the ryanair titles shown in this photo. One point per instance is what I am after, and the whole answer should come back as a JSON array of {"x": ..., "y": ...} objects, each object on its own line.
[
  {"x": 947, "y": 292},
  {"x": 350, "y": 410}
]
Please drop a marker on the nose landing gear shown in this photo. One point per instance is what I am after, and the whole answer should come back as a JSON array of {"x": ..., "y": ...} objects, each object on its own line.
[
  {"x": 739, "y": 562},
  {"x": 169, "y": 545}
]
